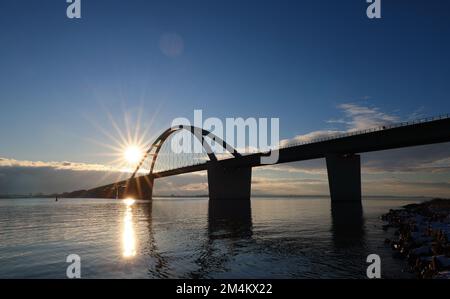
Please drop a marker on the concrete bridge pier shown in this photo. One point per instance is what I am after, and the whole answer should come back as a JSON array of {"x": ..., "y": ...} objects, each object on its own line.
[
  {"x": 229, "y": 183},
  {"x": 138, "y": 188},
  {"x": 344, "y": 177}
]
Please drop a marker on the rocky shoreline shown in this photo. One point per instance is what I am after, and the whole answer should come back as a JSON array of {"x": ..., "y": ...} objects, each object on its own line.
[{"x": 422, "y": 237}]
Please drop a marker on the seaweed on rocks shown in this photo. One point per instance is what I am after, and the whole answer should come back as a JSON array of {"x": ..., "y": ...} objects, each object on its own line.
[{"x": 423, "y": 237}]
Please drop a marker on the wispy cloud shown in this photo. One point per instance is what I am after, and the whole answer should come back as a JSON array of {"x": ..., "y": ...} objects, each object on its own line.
[
  {"x": 310, "y": 137},
  {"x": 418, "y": 113},
  {"x": 311, "y": 167},
  {"x": 363, "y": 117},
  {"x": 355, "y": 117}
]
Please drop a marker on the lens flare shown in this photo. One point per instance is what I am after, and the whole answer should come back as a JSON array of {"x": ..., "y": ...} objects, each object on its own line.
[
  {"x": 126, "y": 143},
  {"x": 132, "y": 154}
]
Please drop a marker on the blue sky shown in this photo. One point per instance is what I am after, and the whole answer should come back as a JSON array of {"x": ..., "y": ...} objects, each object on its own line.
[{"x": 296, "y": 60}]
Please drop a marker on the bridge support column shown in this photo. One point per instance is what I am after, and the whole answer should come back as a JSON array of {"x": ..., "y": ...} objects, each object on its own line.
[
  {"x": 139, "y": 188},
  {"x": 229, "y": 183},
  {"x": 344, "y": 177}
]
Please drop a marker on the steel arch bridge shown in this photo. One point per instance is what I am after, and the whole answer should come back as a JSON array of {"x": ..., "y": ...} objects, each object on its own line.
[
  {"x": 199, "y": 133},
  {"x": 230, "y": 178}
]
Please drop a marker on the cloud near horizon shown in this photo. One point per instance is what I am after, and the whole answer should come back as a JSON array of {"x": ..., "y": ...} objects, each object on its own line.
[
  {"x": 24, "y": 177},
  {"x": 65, "y": 165}
]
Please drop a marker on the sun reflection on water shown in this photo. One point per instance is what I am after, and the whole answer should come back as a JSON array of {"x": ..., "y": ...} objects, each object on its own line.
[{"x": 128, "y": 237}]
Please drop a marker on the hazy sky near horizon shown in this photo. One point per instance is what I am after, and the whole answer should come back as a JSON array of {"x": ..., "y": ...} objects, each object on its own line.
[{"x": 317, "y": 65}]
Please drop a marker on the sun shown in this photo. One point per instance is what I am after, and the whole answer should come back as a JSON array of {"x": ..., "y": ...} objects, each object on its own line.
[
  {"x": 127, "y": 143},
  {"x": 132, "y": 154}
]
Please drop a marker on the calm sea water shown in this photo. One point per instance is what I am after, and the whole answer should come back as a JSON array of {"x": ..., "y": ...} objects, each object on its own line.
[{"x": 195, "y": 238}]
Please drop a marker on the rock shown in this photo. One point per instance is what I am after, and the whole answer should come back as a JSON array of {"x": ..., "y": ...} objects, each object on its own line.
[
  {"x": 442, "y": 275},
  {"x": 441, "y": 262},
  {"x": 423, "y": 232},
  {"x": 423, "y": 250}
]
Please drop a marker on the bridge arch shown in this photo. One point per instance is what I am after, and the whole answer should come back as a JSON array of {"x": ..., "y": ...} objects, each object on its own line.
[{"x": 199, "y": 133}]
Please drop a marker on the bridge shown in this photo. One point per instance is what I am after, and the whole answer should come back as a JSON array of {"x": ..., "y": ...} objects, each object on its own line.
[{"x": 230, "y": 178}]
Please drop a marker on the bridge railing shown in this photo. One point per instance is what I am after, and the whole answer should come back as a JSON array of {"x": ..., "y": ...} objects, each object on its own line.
[{"x": 370, "y": 130}]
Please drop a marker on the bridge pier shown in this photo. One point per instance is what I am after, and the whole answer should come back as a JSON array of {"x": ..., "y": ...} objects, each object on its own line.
[
  {"x": 229, "y": 183},
  {"x": 344, "y": 177},
  {"x": 138, "y": 188}
]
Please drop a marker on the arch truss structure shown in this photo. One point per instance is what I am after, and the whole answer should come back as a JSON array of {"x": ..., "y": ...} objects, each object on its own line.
[{"x": 199, "y": 134}]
